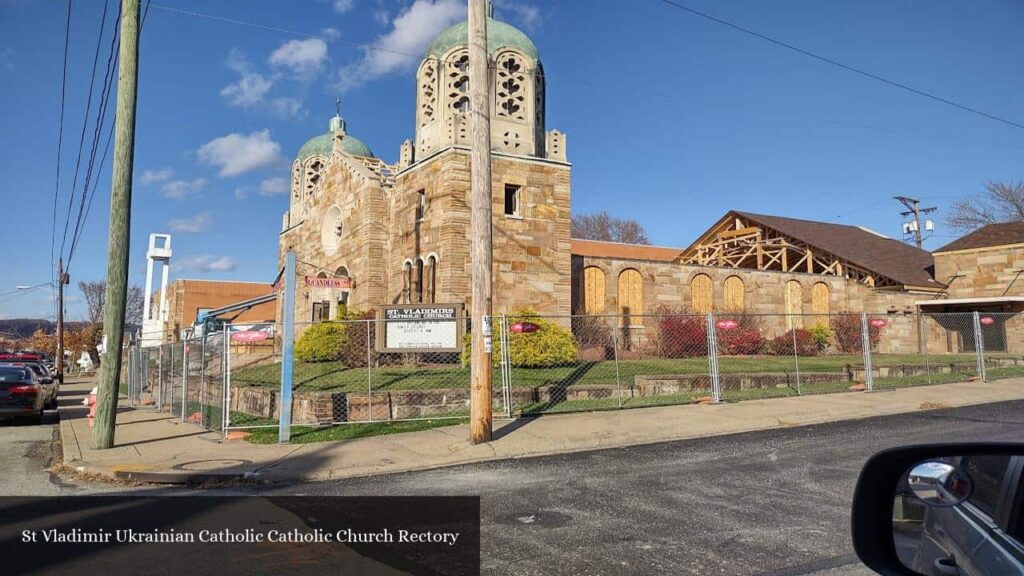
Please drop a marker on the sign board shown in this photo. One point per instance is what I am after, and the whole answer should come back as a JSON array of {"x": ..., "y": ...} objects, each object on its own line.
[
  {"x": 332, "y": 283},
  {"x": 987, "y": 320},
  {"x": 249, "y": 336},
  {"x": 727, "y": 324},
  {"x": 421, "y": 328},
  {"x": 524, "y": 327},
  {"x": 878, "y": 323}
]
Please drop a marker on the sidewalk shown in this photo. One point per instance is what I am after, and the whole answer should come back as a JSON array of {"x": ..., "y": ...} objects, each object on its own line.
[{"x": 155, "y": 447}]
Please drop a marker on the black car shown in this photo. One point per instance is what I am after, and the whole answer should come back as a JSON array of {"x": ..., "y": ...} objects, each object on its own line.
[
  {"x": 21, "y": 393},
  {"x": 49, "y": 384}
]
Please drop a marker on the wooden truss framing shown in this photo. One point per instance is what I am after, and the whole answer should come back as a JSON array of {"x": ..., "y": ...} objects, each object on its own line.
[{"x": 738, "y": 243}]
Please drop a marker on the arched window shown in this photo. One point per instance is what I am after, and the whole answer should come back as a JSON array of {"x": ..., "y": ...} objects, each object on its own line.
[
  {"x": 457, "y": 81},
  {"x": 511, "y": 90},
  {"x": 417, "y": 281},
  {"x": 593, "y": 290},
  {"x": 631, "y": 296},
  {"x": 820, "y": 300},
  {"x": 407, "y": 283},
  {"x": 794, "y": 304},
  {"x": 431, "y": 279},
  {"x": 735, "y": 294},
  {"x": 702, "y": 294}
]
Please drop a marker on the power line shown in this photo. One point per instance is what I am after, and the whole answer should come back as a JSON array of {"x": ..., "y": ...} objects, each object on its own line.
[
  {"x": 60, "y": 139},
  {"x": 843, "y": 66},
  {"x": 85, "y": 123}
]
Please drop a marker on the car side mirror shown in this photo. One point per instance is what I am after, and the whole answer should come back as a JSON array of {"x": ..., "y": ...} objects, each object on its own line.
[{"x": 941, "y": 510}]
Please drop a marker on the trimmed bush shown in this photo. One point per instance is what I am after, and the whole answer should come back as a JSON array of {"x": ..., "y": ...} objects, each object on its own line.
[
  {"x": 682, "y": 336},
  {"x": 822, "y": 335},
  {"x": 805, "y": 345},
  {"x": 322, "y": 342},
  {"x": 740, "y": 341},
  {"x": 847, "y": 329},
  {"x": 550, "y": 345},
  {"x": 353, "y": 351}
]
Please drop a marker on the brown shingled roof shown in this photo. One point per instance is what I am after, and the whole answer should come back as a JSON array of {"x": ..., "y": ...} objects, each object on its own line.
[
  {"x": 601, "y": 249},
  {"x": 893, "y": 259},
  {"x": 999, "y": 234}
]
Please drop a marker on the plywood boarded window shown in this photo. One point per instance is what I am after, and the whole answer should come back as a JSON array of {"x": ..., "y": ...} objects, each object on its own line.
[
  {"x": 593, "y": 290},
  {"x": 702, "y": 294},
  {"x": 631, "y": 295},
  {"x": 734, "y": 294},
  {"x": 794, "y": 304},
  {"x": 820, "y": 299}
]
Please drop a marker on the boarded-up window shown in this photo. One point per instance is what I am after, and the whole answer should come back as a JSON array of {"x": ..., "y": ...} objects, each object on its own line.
[
  {"x": 593, "y": 290},
  {"x": 794, "y": 304},
  {"x": 820, "y": 299},
  {"x": 631, "y": 295},
  {"x": 734, "y": 294},
  {"x": 701, "y": 294}
]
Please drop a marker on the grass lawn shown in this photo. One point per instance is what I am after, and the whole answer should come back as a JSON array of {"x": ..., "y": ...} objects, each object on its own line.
[
  {"x": 305, "y": 434},
  {"x": 331, "y": 376}
]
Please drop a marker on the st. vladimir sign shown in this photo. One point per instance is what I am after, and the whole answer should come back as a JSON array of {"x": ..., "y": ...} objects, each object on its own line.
[
  {"x": 420, "y": 328},
  {"x": 331, "y": 283}
]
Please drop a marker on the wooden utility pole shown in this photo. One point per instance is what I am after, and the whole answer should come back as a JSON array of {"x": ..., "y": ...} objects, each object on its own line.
[
  {"x": 480, "y": 202},
  {"x": 120, "y": 227},
  {"x": 62, "y": 280},
  {"x": 914, "y": 209}
]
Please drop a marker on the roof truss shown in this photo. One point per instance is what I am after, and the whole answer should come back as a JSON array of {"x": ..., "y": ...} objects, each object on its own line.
[{"x": 735, "y": 242}]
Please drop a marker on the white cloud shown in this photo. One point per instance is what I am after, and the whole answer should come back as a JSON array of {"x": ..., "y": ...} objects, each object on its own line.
[
  {"x": 207, "y": 263},
  {"x": 401, "y": 47},
  {"x": 330, "y": 34},
  {"x": 287, "y": 107},
  {"x": 241, "y": 193},
  {"x": 274, "y": 187},
  {"x": 302, "y": 58},
  {"x": 342, "y": 6},
  {"x": 523, "y": 13},
  {"x": 251, "y": 86},
  {"x": 192, "y": 225},
  {"x": 237, "y": 153},
  {"x": 178, "y": 189},
  {"x": 154, "y": 176}
]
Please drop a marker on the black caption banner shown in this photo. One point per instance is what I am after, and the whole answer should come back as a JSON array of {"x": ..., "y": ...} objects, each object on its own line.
[{"x": 227, "y": 535}]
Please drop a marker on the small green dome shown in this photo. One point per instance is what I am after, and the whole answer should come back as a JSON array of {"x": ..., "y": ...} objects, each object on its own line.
[
  {"x": 499, "y": 35},
  {"x": 323, "y": 144}
]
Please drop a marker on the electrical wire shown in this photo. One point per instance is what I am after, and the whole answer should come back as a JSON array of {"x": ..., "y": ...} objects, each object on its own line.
[
  {"x": 60, "y": 144},
  {"x": 838, "y": 64}
]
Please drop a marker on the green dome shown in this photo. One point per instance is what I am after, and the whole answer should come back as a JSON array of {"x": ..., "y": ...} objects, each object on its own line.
[
  {"x": 323, "y": 144},
  {"x": 499, "y": 35}
]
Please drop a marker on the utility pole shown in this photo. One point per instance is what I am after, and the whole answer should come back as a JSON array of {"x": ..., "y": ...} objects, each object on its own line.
[
  {"x": 480, "y": 202},
  {"x": 120, "y": 227},
  {"x": 62, "y": 280},
  {"x": 914, "y": 209}
]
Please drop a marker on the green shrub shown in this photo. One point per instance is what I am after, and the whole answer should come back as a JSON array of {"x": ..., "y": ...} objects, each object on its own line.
[
  {"x": 550, "y": 345},
  {"x": 322, "y": 342},
  {"x": 822, "y": 335}
]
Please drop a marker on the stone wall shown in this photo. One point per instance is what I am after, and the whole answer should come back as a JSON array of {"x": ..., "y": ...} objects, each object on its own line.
[{"x": 983, "y": 272}]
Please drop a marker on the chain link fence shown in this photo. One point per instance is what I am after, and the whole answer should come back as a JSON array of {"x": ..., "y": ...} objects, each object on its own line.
[{"x": 343, "y": 374}]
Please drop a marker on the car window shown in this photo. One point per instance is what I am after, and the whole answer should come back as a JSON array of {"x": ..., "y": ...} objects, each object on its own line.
[
  {"x": 12, "y": 375},
  {"x": 987, "y": 472}
]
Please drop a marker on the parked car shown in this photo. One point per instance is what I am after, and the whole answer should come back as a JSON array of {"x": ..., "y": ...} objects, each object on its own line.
[
  {"x": 21, "y": 393},
  {"x": 50, "y": 385}
]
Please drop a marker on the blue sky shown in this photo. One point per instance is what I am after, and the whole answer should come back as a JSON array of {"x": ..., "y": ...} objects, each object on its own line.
[{"x": 672, "y": 119}]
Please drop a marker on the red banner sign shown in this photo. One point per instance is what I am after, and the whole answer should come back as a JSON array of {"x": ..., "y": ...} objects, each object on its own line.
[
  {"x": 987, "y": 320},
  {"x": 727, "y": 324},
  {"x": 334, "y": 283},
  {"x": 878, "y": 323},
  {"x": 249, "y": 336},
  {"x": 524, "y": 327}
]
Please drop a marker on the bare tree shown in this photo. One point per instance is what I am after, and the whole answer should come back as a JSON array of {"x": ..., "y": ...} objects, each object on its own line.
[
  {"x": 1001, "y": 202},
  {"x": 95, "y": 294},
  {"x": 604, "y": 226}
]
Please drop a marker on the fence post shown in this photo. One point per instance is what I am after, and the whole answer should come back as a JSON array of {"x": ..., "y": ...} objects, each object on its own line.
[
  {"x": 202, "y": 381},
  {"x": 979, "y": 346},
  {"x": 159, "y": 371},
  {"x": 225, "y": 381},
  {"x": 712, "y": 338},
  {"x": 284, "y": 426},
  {"x": 506, "y": 355},
  {"x": 615, "y": 352},
  {"x": 369, "y": 374},
  {"x": 796, "y": 355},
  {"x": 184, "y": 378},
  {"x": 865, "y": 344}
]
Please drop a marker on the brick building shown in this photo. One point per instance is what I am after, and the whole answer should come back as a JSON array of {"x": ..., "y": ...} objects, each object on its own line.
[{"x": 186, "y": 299}]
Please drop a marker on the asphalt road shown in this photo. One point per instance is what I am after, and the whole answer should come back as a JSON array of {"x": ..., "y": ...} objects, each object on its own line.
[
  {"x": 25, "y": 454},
  {"x": 770, "y": 503}
]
